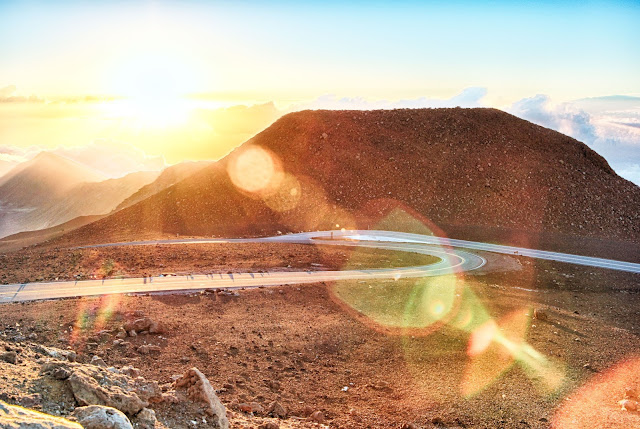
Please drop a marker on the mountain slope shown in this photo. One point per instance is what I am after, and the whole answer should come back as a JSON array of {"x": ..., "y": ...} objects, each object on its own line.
[
  {"x": 169, "y": 176},
  {"x": 479, "y": 167},
  {"x": 49, "y": 190},
  {"x": 30, "y": 183}
]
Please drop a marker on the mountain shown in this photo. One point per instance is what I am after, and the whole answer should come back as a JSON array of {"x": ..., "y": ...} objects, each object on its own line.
[
  {"x": 31, "y": 183},
  {"x": 5, "y": 167},
  {"x": 320, "y": 169},
  {"x": 169, "y": 176},
  {"x": 49, "y": 190}
]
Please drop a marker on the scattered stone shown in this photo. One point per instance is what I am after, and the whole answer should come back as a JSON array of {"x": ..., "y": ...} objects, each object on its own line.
[
  {"x": 55, "y": 353},
  {"x": 122, "y": 334},
  {"x": 629, "y": 405},
  {"x": 156, "y": 328},
  {"x": 133, "y": 333},
  {"x": 130, "y": 371},
  {"x": 317, "y": 416},
  {"x": 139, "y": 325},
  {"x": 540, "y": 314},
  {"x": 17, "y": 417},
  {"x": 269, "y": 425},
  {"x": 251, "y": 407},
  {"x": 199, "y": 388},
  {"x": 100, "y": 417},
  {"x": 60, "y": 373},
  {"x": 143, "y": 349},
  {"x": 276, "y": 409},
  {"x": 31, "y": 401},
  {"x": 9, "y": 357},
  {"x": 146, "y": 419},
  {"x": 97, "y": 361}
]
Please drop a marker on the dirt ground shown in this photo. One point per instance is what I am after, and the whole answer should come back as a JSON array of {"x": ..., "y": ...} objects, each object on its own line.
[{"x": 388, "y": 354}]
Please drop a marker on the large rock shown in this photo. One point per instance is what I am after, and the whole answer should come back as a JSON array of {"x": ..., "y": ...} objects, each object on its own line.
[
  {"x": 12, "y": 417},
  {"x": 100, "y": 417},
  {"x": 88, "y": 391},
  {"x": 199, "y": 389},
  {"x": 93, "y": 385}
]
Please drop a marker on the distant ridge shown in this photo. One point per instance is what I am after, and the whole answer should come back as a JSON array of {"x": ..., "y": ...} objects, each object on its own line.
[
  {"x": 480, "y": 167},
  {"x": 51, "y": 189}
]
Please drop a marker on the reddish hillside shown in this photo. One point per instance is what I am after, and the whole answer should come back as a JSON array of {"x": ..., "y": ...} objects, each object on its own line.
[{"x": 318, "y": 169}]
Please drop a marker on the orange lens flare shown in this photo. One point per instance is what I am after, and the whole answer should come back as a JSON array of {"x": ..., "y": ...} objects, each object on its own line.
[{"x": 254, "y": 170}]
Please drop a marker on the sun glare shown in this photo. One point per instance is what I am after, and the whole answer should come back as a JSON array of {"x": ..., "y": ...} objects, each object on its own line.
[{"x": 153, "y": 88}]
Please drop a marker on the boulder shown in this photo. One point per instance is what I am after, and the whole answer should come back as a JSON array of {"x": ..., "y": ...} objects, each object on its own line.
[
  {"x": 100, "y": 417},
  {"x": 88, "y": 391},
  {"x": 12, "y": 417},
  {"x": 199, "y": 389}
]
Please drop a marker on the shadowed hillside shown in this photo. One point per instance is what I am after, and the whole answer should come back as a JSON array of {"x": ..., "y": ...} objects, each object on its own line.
[{"x": 318, "y": 169}]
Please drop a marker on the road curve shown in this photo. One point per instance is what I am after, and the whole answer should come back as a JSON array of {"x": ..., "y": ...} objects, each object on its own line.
[{"x": 452, "y": 260}]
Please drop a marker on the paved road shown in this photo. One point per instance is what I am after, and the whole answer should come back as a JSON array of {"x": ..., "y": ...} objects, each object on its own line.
[{"x": 452, "y": 259}]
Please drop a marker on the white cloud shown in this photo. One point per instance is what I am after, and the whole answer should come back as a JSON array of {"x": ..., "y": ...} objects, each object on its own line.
[
  {"x": 469, "y": 97},
  {"x": 609, "y": 125}
]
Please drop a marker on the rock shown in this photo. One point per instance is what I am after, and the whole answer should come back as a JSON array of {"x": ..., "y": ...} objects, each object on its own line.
[
  {"x": 269, "y": 425},
  {"x": 540, "y": 314},
  {"x": 30, "y": 401},
  {"x": 317, "y": 416},
  {"x": 130, "y": 371},
  {"x": 146, "y": 419},
  {"x": 199, "y": 388},
  {"x": 133, "y": 333},
  {"x": 148, "y": 391},
  {"x": 629, "y": 405},
  {"x": 251, "y": 407},
  {"x": 97, "y": 361},
  {"x": 138, "y": 325},
  {"x": 9, "y": 357},
  {"x": 13, "y": 417},
  {"x": 143, "y": 349},
  {"x": 60, "y": 373},
  {"x": 122, "y": 334},
  {"x": 276, "y": 409},
  {"x": 55, "y": 353},
  {"x": 88, "y": 391},
  {"x": 100, "y": 417},
  {"x": 156, "y": 328}
]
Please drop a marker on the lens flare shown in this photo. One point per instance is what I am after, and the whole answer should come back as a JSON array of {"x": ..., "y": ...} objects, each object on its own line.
[{"x": 254, "y": 170}]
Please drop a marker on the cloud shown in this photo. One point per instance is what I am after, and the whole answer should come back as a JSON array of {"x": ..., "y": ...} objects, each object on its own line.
[
  {"x": 8, "y": 95},
  {"x": 112, "y": 158},
  {"x": 609, "y": 125},
  {"x": 469, "y": 97}
]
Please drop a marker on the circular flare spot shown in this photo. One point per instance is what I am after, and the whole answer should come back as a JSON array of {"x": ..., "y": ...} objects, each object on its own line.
[{"x": 253, "y": 170}]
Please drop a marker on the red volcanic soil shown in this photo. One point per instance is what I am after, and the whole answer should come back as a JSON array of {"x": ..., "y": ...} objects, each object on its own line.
[
  {"x": 317, "y": 348},
  {"x": 480, "y": 168}
]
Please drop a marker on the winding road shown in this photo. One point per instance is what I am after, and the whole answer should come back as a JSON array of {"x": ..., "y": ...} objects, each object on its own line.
[{"x": 452, "y": 259}]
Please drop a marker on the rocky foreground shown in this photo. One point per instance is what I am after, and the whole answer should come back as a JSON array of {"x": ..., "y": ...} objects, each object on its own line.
[{"x": 48, "y": 387}]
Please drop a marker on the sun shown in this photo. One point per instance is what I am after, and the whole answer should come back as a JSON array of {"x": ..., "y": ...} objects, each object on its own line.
[{"x": 152, "y": 88}]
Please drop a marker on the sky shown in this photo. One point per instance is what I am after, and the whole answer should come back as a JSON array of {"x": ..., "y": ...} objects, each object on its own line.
[{"x": 166, "y": 81}]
